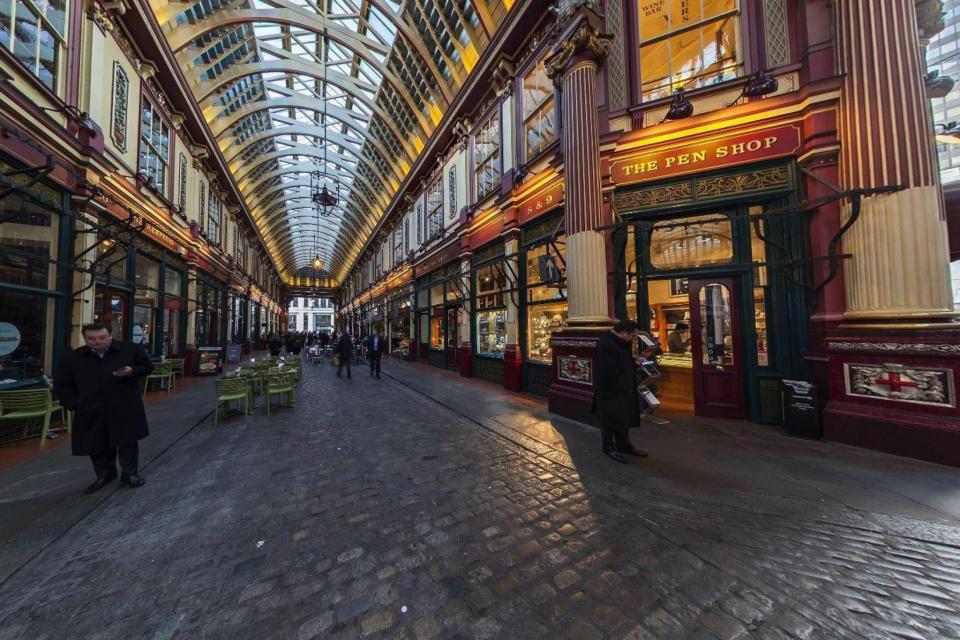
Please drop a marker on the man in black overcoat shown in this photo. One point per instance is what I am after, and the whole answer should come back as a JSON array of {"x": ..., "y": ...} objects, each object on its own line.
[
  {"x": 615, "y": 401},
  {"x": 375, "y": 350},
  {"x": 100, "y": 383},
  {"x": 345, "y": 352}
]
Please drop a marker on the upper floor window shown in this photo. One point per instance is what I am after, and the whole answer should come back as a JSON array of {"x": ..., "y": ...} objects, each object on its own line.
[
  {"x": 241, "y": 249},
  {"x": 685, "y": 44},
  {"x": 486, "y": 155},
  {"x": 213, "y": 217},
  {"x": 154, "y": 147},
  {"x": 397, "y": 245},
  {"x": 539, "y": 111},
  {"x": 435, "y": 208},
  {"x": 35, "y": 31}
]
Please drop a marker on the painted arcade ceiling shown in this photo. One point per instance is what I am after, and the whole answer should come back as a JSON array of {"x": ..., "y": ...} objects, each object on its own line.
[{"x": 342, "y": 94}]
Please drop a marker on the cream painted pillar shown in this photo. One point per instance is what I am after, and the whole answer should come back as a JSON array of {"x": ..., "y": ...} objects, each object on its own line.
[
  {"x": 465, "y": 329},
  {"x": 573, "y": 65},
  {"x": 900, "y": 265},
  {"x": 192, "y": 304},
  {"x": 512, "y": 267}
]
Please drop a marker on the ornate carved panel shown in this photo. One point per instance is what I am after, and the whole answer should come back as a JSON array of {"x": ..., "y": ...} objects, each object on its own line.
[
  {"x": 452, "y": 190},
  {"x": 653, "y": 196},
  {"x": 762, "y": 180},
  {"x": 616, "y": 64},
  {"x": 897, "y": 347},
  {"x": 118, "y": 118},
  {"x": 775, "y": 31},
  {"x": 574, "y": 369},
  {"x": 898, "y": 383}
]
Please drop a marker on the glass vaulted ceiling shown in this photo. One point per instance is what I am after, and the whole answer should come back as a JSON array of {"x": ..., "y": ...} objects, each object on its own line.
[{"x": 352, "y": 89}]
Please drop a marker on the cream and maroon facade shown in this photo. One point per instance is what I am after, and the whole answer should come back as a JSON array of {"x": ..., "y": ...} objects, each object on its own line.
[
  {"x": 168, "y": 256},
  {"x": 828, "y": 182}
]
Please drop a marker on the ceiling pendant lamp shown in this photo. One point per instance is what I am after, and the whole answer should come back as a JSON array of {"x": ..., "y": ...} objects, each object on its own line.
[{"x": 317, "y": 262}]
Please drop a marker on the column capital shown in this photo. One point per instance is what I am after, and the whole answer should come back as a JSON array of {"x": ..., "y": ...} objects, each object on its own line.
[{"x": 577, "y": 34}]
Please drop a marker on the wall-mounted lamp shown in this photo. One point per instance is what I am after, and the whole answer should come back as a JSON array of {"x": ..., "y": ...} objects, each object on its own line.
[
  {"x": 760, "y": 84},
  {"x": 680, "y": 107}
]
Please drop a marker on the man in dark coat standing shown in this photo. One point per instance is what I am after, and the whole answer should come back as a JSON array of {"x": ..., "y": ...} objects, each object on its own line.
[
  {"x": 345, "y": 352},
  {"x": 375, "y": 350},
  {"x": 615, "y": 401},
  {"x": 99, "y": 382}
]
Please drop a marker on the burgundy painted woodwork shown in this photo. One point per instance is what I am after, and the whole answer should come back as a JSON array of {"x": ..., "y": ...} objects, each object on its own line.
[
  {"x": 567, "y": 398},
  {"x": 466, "y": 360},
  {"x": 512, "y": 368},
  {"x": 717, "y": 389},
  {"x": 190, "y": 360}
]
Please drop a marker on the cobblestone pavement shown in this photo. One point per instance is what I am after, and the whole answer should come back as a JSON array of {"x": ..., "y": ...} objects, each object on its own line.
[{"x": 370, "y": 510}]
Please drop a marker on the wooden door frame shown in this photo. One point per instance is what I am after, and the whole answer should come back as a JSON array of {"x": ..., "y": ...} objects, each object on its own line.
[{"x": 734, "y": 285}]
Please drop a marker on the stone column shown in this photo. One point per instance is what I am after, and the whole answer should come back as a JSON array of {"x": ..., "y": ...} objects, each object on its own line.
[
  {"x": 573, "y": 65},
  {"x": 900, "y": 270}
]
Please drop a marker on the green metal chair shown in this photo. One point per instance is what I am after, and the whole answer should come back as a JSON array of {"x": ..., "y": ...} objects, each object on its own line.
[
  {"x": 163, "y": 372},
  {"x": 253, "y": 377},
  {"x": 230, "y": 389},
  {"x": 279, "y": 384},
  {"x": 33, "y": 403},
  {"x": 176, "y": 367}
]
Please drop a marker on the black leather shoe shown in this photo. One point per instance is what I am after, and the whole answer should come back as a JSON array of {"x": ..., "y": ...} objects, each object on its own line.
[
  {"x": 100, "y": 483},
  {"x": 133, "y": 481},
  {"x": 640, "y": 453},
  {"x": 616, "y": 455}
]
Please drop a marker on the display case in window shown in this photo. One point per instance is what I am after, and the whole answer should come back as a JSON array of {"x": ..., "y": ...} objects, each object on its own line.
[
  {"x": 542, "y": 322},
  {"x": 491, "y": 333},
  {"x": 436, "y": 332}
]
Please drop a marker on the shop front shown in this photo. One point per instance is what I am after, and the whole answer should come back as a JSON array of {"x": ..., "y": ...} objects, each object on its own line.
[
  {"x": 440, "y": 295},
  {"x": 544, "y": 310},
  {"x": 717, "y": 277},
  {"x": 34, "y": 288},
  {"x": 157, "y": 318},
  {"x": 491, "y": 296},
  {"x": 211, "y": 316},
  {"x": 399, "y": 318}
]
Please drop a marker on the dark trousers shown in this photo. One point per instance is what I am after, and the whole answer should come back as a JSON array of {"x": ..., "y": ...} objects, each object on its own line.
[
  {"x": 615, "y": 438},
  {"x": 344, "y": 361},
  {"x": 375, "y": 364},
  {"x": 105, "y": 462}
]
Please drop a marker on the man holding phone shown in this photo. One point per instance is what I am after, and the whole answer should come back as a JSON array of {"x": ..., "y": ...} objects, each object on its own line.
[{"x": 99, "y": 382}]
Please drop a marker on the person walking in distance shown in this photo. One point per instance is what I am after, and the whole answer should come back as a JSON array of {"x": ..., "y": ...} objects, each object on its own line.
[
  {"x": 99, "y": 382},
  {"x": 375, "y": 349},
  {"x": 615, "y": 401},
  {"x": 345, "y": 351}
]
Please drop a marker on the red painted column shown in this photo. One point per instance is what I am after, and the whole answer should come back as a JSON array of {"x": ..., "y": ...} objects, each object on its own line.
[
  {"x": 894, "y": 361},
  {"x": 578, "y": 52}
]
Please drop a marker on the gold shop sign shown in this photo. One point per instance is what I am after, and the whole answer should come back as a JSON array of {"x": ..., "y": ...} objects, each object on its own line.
[
  {"x": 706, "y": 155},
  {"x": 539, "y": 203}
]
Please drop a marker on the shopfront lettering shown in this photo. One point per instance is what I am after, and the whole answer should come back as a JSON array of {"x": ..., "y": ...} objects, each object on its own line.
[
  {"x": 710, "y": 154},
  {"x": 540, "y": 203}
]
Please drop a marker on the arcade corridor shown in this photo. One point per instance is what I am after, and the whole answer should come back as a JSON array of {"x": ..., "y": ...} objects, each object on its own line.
[{"x": 428, "y": 506}]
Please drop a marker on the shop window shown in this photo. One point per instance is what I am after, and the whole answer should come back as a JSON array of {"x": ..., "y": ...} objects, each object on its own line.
[
  {"x": 685, "y": 44},
  {"x": 486, "y": 156},
  {"x": 398, "y": 246},
  {"x": 436, "y": 332},
  {"x": 173, "y": 282},
  {"x": 436, "y": 294},
  {"x": 35, "y": 31},
  {"x": 761, "y": 295},
  {"x": 491, "y": 314},
  {"x": 26, "y": 339},
  {"x": 631, "y": 274},
  {"x": 213, "y": 217},
  {"x": 691, "y": 242},
  {"x": 546, "y": 303},
  {"x": 293, "y": 323},
  {"x": 147, "y": 280},
  {"x": 491, "y": 283},
  {"x": 543, "y": 320},
  {"x": 435, "y": 209},
  {"x": 111, "y": 260},
  {"x": 154, "y": 147},
  {"x": 28, "y": 238},
  {"x": 539, "y": 111},
  {"x": 716, "y": 325}
]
